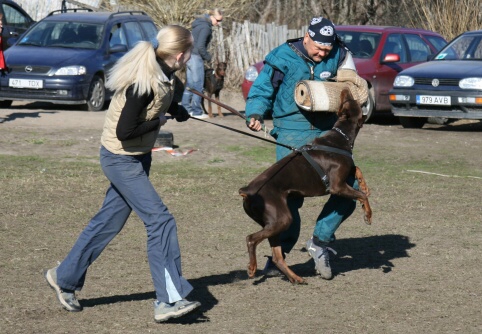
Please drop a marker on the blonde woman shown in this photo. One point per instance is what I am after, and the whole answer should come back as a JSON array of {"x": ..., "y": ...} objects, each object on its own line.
[
  {"x": 202, "y": 28},
  {"x": 143, "y": 81}
]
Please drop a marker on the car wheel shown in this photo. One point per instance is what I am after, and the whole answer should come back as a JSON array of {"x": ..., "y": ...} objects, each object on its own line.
[
  {"x": 370, "y": 105},
  {"x": 5, "y": 103},
  {"x": 96, "y": 96},
  {"x": 413, "y": 122}
]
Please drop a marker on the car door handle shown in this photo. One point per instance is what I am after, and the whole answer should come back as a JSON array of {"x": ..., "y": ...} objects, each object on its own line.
[{"x": 14, "y": 33}]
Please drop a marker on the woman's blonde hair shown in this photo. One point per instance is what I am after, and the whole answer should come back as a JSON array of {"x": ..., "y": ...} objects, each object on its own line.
[{"x": 140, "y": 67}]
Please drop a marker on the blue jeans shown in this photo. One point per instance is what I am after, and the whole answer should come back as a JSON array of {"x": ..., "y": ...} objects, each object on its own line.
[
  {"x": 130, "y": 189},
  {"x": 336, "y": 209},
  {"x": 194, "y": 79}
]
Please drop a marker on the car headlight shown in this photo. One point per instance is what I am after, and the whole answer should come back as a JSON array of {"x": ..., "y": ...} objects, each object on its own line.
[
  {"x": 71, "y": 70},
  {"x": 251, "y": 73},
  {"x": 403, "y": 81},
  {"x": 471, "y": 83}
]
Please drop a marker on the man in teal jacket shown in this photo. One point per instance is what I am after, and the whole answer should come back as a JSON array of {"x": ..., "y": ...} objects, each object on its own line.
[{"x": 316, "y": 56}]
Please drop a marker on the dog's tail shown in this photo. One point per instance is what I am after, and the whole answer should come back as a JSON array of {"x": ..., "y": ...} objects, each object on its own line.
[{"x": 244, "y": 192}]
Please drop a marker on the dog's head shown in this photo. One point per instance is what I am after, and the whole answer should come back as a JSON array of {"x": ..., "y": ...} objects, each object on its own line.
[
  {"x": 350, "y": 110},
  {"x": 221, "y": 69}
]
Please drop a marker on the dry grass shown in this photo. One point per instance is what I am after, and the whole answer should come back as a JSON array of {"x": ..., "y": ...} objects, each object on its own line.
[{"x": 415, "y": 270}]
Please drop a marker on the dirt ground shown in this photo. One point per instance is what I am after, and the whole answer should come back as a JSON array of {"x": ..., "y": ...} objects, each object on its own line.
[{"x": 416, "y": 269}]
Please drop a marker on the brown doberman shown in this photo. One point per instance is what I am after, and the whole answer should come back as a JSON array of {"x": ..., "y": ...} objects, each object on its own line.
[
  {"x": 213, "y": 83},
  {"x": 316, "y": 169}
]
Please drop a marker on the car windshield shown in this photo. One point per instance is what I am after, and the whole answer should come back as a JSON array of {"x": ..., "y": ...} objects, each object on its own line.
[
  {"x": 361, "y": 44},
  {"x": 76, "y": 35},
  {"x": 463, "y": 47}
]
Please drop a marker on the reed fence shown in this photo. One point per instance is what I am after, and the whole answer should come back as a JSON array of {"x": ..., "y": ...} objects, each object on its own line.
[{"x": 246, "y": 44}]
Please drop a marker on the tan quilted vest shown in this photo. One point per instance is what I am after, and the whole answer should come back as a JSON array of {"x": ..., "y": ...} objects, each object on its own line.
[{"x": 157, "y": 108}]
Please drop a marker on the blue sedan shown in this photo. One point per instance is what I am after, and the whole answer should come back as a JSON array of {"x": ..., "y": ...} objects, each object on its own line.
[
  {"x": 448, "y": 87},
  {"x": 65, "y": 58}
]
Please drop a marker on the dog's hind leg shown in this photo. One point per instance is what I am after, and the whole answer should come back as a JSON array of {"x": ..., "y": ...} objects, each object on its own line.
[
  {"x": 252, "y": 242},
  {"x": 280, "y": 262}
]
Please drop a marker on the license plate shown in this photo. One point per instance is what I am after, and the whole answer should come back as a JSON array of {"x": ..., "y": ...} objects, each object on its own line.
[
  {"x": 25, "y": 83},
  {"x": 435, "y": 100}
]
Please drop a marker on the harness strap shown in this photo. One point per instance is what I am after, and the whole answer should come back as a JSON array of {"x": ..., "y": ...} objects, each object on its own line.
[
  {"x": 304, "y": 151},
  {"x": 328, "y": 149},
  {"x": 321, "y": 173}
]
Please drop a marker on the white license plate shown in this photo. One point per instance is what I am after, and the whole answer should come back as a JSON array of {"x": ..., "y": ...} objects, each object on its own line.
[
  {"x": 435, "y": 100},
  {"x": 25, "y": 83}
]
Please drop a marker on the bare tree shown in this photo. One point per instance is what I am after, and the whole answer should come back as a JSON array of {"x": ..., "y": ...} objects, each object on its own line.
[{"x": 448, "y": 17}]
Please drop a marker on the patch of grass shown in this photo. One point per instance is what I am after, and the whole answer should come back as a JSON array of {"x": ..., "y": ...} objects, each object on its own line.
[
  {"x": 216, "y": 160},
  {"x": 444, "y": 166},
  {"x": 257, "y": 153},
  {"x": 67, "y": 142},
  {"x": 37, "y": 141}
]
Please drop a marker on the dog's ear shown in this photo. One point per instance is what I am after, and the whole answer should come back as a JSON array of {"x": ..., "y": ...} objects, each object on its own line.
[{"x": 345, "y": 98}]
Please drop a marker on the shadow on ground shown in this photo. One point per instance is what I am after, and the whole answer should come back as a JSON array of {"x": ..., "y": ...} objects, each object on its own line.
[{"x": 375, "y": 252}]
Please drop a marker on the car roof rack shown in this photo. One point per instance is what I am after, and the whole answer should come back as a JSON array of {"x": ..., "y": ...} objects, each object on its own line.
[
  {"x": 73, "y": 10},
  {"x": 130, "y": 12}
]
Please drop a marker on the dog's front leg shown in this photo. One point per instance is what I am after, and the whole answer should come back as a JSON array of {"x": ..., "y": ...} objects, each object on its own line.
[
  {"x": 361, "y": 181},
  {"x": 364, "y": 201},
  {"x": 219, "y": 107},
  {"x": 346, "y": 191}
]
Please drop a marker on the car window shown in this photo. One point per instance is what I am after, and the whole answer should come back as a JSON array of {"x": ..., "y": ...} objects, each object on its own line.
[
  {"x": 15, "y": 18},
  {"x": 417, "y": 48},
  {"x": 362, "y": 44},
  {"x": 134, "y": 33},
  {"x": 463, "y": 47},
  {"x": 65, "y": 35},
  {"x": 436, "y": 41},
  {"x": 394, "y": 44},
  {"x": 117, "y": 36},
  {"x": 150, "y": 29}
]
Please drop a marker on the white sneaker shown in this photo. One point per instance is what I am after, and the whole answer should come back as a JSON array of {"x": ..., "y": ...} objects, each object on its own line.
[
  {"x": 164, "y": 311},
  {"x": 202, "y": 116},
  {"x": 66, "y": 297},
  {"x": 321, "y": 257}
]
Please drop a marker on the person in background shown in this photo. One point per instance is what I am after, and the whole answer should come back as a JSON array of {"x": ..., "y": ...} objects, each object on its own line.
[
  {"x": 144, "y": 84},
  {"x": 316, "y": 56},
  {"x": 3, "y": 66},
  {"x": 202, "y": 33}
]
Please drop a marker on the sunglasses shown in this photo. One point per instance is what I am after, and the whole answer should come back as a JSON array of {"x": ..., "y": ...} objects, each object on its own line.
[{"x": 218, "y": 20}]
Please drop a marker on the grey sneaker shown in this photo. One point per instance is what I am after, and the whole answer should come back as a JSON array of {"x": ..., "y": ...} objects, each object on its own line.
[
  {"x": 321, "y": 257},
  {"x": 66, "y": 297},
  {"x": 164, "y": 311}
]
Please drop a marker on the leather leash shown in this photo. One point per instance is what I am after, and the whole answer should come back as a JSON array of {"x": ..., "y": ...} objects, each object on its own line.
[{"x": 302, "y": 150}]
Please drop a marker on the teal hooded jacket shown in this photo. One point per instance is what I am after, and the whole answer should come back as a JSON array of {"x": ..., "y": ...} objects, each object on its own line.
[{"x": 294, "y": 66}]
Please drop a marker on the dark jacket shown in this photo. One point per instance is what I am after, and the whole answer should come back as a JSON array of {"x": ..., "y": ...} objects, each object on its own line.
[{"x": 202, "y": 34}]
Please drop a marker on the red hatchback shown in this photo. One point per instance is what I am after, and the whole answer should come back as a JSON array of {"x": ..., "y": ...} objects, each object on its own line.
[{"x": 380, "y": 53}]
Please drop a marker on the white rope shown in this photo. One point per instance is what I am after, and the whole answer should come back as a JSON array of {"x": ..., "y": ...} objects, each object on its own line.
[{"x": 443, "y": 175}]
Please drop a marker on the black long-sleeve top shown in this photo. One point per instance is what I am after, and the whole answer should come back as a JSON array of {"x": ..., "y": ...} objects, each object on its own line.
[{"x": 128, "y": 126}]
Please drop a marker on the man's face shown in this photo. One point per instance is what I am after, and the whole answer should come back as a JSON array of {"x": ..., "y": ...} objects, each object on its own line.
[{"x": 316, "y": 52}]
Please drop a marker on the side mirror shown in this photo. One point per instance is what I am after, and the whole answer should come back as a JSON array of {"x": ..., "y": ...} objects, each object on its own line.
[
  {"x": 118, "y": 48},
  {"x": 391, "y": 58}
]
